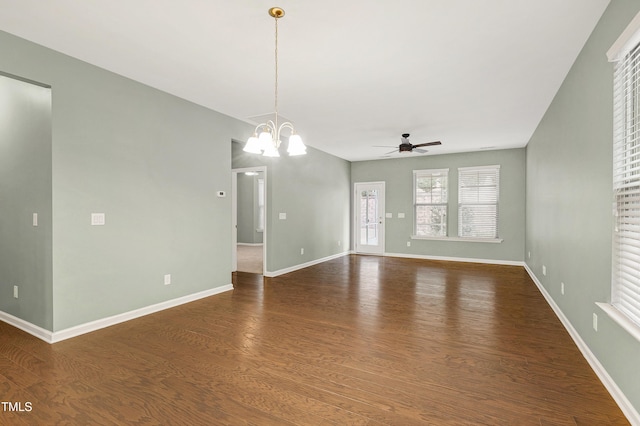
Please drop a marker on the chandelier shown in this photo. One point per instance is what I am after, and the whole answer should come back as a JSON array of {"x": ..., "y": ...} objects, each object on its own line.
[{"x": 266, "y": 136}]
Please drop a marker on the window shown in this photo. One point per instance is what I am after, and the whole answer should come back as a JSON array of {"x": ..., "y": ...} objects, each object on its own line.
[
  {"x": 430, "y": 202},
  {"x": 626, "y": 184},
  {"x": 478, "y": 189},
  {"x": 260, "y": 205}
]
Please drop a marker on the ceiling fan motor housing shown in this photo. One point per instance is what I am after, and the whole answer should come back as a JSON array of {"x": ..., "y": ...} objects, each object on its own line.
[{"x": 405, "y": 146}]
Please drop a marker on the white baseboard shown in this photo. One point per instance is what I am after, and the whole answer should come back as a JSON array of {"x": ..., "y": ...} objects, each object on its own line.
[
  {"x": 409, "y": 256},
  {"x": 28, "y": 327},
  {"x": 457, "y": 259},
  {"x": 250, "y": 244},
  {"x": 304, "y": 265},
  {"x": 616, "y": 393},
  {"x": 53, "y": 337}
]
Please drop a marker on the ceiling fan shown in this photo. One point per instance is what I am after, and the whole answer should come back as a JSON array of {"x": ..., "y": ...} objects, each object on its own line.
[{"x": 406, "y": 146}]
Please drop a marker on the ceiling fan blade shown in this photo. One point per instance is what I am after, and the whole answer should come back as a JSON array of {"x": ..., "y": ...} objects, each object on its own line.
[
  {"x": 391, "y": 152},
  {"x": 383, "y": 146},
  {"x": 428, "y": 144},
  {"x": 421, "y": 151}
]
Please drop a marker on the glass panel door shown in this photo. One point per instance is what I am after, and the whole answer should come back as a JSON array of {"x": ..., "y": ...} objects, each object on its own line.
[
  {"x": 369, "y": 217},
  {"x": 369, "y": 202}
]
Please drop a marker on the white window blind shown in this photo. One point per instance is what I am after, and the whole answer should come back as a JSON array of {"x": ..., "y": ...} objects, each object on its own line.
[
  {"x": 626, "y": 184},
  {"x": 478, "y": 194},
  {"x": 430, "y": 202}
]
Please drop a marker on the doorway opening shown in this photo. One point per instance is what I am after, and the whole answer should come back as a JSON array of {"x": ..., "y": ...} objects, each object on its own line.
[
  {"x": 249, "y": 224},
  {"x": 369, "y": 217}
]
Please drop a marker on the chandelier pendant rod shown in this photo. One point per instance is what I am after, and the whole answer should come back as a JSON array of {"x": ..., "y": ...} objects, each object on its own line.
[
  {"x": 269, "y": 141},
  {"x": 276, "y": 82}
]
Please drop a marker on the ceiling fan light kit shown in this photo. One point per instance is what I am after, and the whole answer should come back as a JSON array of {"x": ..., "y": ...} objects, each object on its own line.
[{"x": 266, "y": 136}]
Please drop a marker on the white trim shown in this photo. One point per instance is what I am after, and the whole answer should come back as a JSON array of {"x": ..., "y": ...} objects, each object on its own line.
[
  {"x": 430, "y": 171},
  {"x": 460, "y": 239},
  {"x": 250, "y": 244},
  {"x": 137, "y": 313},
  {"x": 28, "y": 327},
  {"x": 629, "y": 38},
  {"x": 88, "y": 327},
  {"x": 457, "y": 259},
  {"x": 383, "y": 218},
  {"x": 623, "y": 320},
  {"x": 625, "y": 405},
  {"x": 491, "y": 167},
  {"x": 250, "y": 169},
  {"x": 234, "y": 212},
  {"x": 279, "y": 272}
]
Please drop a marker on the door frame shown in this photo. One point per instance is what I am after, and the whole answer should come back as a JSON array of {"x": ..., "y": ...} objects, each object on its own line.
[
  {"x": 356, "y": 223},
  {"x": 234, "y": 216}
]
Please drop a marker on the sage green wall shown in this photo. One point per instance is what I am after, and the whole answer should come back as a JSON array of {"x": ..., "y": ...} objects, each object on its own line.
[
  {"x": 569, "y": 200},
  {"x": 148, "y": 160},
  {"x": 25, "y": 189},
  {"x": 248, "y": 209},
  {"x": 313, "y": 190},
  {"x": 398, "y": 177}
]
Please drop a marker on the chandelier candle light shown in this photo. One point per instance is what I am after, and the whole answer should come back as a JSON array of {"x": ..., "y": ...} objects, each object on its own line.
[{"x": 268, "y": 142}]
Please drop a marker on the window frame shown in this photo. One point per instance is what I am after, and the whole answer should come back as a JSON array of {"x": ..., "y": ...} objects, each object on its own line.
[
  {"x": 430, "y": 173},
  {"x": 462, "y": 205},
  {"x": 625, "y": 44},
  {"x": 624, "y": 307}
]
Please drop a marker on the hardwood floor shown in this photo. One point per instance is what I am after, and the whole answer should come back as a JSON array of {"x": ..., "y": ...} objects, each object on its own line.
[{"x": 359, "y": 340}]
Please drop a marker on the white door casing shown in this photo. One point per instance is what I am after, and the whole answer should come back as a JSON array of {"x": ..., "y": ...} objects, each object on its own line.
[{"x": 369, "y": 223}]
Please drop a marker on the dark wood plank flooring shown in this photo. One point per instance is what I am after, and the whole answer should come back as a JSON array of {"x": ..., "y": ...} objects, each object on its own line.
[{"x": 359, "y": 340}]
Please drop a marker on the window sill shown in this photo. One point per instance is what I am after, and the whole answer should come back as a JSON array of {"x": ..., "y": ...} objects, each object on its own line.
[
  {"x": 461, "y": 239},
  {"x": 621, "y": 319}
]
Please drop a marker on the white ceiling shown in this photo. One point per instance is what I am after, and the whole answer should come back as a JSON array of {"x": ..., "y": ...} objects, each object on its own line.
[{"x": 475, "y": 74}]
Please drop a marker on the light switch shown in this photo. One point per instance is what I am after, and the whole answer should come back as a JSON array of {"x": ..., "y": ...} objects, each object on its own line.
[
  {"x": 282, "y": 216},
  {"x": 388, "y": 215},
  {"x": 400, "y": 215},
  {"x": 35, "y": 219},
  {"x": 97, "y": 219}
]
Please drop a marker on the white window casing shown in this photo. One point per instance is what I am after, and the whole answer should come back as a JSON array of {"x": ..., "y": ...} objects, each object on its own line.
[
  {"x": 430, "y": 201},
  {"x": 478, "y": 197},
  {"x": 625, "y": 288}
]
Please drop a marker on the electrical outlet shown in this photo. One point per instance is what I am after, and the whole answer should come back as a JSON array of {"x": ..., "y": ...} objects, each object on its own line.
[
  {"x": 35, "y": 219},
  {"x": 301, "y": 251},
  {"x": 544, "y": 270},
  {"x": 339, "y": 243},
  {"x": 15, "y": 291},
  {"x": 529, "y": 255},
  {"x": 595, "y": 321},
  {"x": 167, "y": 279},
  {"x": 562, "y": 288},
  {"x": 408, "y": 243}
]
